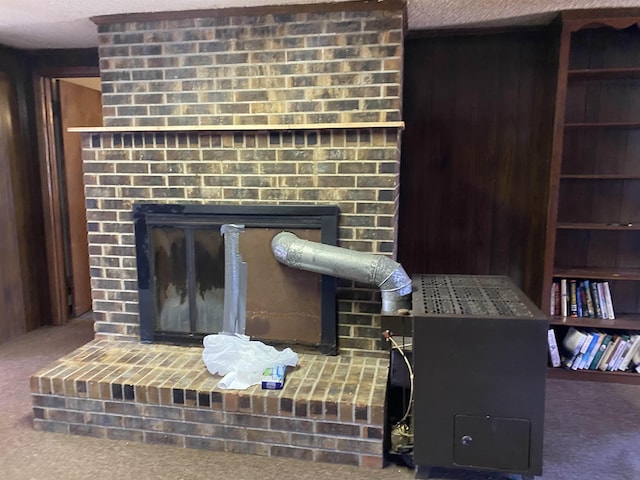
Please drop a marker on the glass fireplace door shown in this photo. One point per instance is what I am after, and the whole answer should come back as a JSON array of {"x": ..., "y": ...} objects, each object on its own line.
[{"x": 188, "y": 279}]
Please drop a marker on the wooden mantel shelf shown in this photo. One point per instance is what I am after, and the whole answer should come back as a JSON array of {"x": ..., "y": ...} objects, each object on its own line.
[{"x": 238, "y": 128}]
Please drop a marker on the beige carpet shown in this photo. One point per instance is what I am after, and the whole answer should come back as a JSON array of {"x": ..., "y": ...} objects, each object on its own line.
[{"x": 592, "y": 432}]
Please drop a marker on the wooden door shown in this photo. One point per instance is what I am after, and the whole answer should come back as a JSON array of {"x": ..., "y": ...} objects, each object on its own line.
[{"x": 79, "y": 107}]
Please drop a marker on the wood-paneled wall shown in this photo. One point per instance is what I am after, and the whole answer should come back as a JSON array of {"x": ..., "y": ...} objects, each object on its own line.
[
  {"x": 478, "y": 109},
  {"x": 12, "y": 298},
  {"x": 23, "y": 292}
]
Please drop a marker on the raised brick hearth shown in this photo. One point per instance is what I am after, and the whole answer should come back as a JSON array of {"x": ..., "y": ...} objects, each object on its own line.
[{"x": 331, "y": 409}]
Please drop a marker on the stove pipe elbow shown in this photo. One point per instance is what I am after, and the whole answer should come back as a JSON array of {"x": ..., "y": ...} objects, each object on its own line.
[{"x": 380, "y": 270}]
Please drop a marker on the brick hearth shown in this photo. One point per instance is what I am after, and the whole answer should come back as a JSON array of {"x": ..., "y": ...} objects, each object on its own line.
[{"x": 330, "y": 410}]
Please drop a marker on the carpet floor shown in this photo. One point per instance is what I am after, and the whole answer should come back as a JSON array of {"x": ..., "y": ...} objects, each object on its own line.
[{"x": 592, "y": 431}]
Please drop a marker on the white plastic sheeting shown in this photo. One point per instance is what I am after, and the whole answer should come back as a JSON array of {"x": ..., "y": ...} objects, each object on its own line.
[{"x": 242, "y": 361}]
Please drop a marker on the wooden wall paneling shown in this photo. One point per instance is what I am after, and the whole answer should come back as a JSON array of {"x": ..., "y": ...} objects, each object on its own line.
[
  {"x": 480, "y": 157},
  {"x": 12, "y": 308},
  {"x": 476, "y": 154},
  {"x": 511, "y": 217},
  {"x": 52, "y": 63},
  {"x": 22, "y": 199},
  {"x": 31, "y": 236}
]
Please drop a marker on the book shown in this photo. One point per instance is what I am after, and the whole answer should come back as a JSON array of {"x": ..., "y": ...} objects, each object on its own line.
[
  {"x": 608, "y": 301},
  {"x": 635, "y": 361},
  {"x": 594, "y": 350},
  {"x": 614, "y": 361},
  {"x": 556, "y": 300},
  {"x": 603, "y": 304},
  {"x": 554, "y": 354},
  {"x": 604, "y": 362},
  {"x": 579, "y": 299},
  {"x": 607, "y": 352},
  {"x": 596, "y": 299},
  {"x": 573, "y": 340},
  {"x": 633, "y": 349},
  {"x": 585, "y": 350},
  {"x": 572, "y": 344},
  {"x": 589, "y": 300},
  {"x": 563, "y": 297},
  {"x": 573, "y": 298},
  {"x": 603, "y": 347}
]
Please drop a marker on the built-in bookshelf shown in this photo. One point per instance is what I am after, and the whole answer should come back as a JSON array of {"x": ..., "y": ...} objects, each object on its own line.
[{"x": 596, "y": 180}]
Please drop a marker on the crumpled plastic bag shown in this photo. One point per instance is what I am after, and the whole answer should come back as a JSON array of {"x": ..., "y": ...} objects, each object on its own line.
[{"x": 241, "y": 360}]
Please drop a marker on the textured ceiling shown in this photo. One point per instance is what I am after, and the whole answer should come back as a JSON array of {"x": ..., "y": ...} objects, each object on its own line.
[{"x": 65, "y": 23}]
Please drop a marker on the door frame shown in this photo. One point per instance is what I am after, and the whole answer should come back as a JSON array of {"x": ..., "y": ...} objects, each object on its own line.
[{"x": 51, "y": 174}]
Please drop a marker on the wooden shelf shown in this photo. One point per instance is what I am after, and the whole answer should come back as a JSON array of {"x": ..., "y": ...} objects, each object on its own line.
[
  {"x": 596, "y": 125},
  {"x": 599, "y": 226},
  {"x": 598, "y": 176},
  {"x": 238, "y": 128},
  {"x": 621, "y": 73},
  {"x": 623, "y": 322},
  {"x": 598, "y": 273},
  {"x": 629, "y": 378}
]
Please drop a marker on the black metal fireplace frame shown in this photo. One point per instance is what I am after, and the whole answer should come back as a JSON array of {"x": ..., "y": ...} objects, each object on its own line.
[{"x": 148, "y": 215}]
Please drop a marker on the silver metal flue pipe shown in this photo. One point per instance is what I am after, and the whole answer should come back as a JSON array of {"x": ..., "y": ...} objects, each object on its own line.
[{"x": 369, "y": 268}]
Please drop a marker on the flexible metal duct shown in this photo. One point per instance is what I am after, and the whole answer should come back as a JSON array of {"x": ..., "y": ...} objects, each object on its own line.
[{"x": 372, "y": 269}]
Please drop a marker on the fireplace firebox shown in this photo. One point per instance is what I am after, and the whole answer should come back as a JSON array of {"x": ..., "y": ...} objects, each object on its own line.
[{"x": 180, "y": 266}]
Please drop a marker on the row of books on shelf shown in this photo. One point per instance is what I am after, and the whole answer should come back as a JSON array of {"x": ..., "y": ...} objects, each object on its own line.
[
  {"x": 581, "y": 298},
  {"x": 589, "y": 349}
]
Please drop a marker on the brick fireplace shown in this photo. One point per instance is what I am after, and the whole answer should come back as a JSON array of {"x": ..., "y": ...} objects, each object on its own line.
[
  {"x": 273, "y": 108},
  {"x": 295, "y": 106}
]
